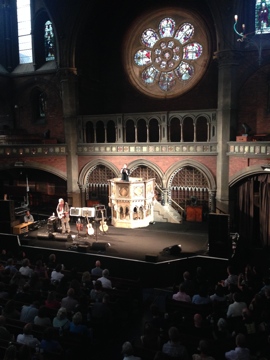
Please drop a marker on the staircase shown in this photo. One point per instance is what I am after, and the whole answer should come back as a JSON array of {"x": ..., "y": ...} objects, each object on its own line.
[{"x": 166, "y": 213}]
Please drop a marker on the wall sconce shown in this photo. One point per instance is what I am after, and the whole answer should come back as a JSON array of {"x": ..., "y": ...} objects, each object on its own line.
[
  {"x": 20, "y": 151},
  {"x": 46, "y": 151},
  {"x": 266, "y": 167},
  {"x": 8, "y": 151},
  {"x": 33, "y": 151}
]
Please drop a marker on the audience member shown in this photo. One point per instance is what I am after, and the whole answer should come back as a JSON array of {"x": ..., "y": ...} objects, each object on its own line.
[
  {"x": 86, "y": 282},
  {"x": 181, "y": 295},
  {"x": 202, "y": 297},
  {"x": 41, "y": 269},
  {"x": 232, "y": 278},
  {"x": 97, "y": 293},
  {"x": 97, "y": 270},
  {"x": 52, "y": 262},
  {"x": 61, "y": 320},
  {"x": 69, "y": 302},
  {"x": 204, "y": 351},
  {"x": 128, "y": 352},
  {"x": 241, "y": 351},
  {"x": 49, "y": 342},
  {"x": 56, "y": 274},
  {"x": 42, "y": 318},
  {"x": 77, "y": 327},
  {"x": 27, "y": 337},
  {"x": 25, "y": 269},
  {"x": 10, "y": 266},
  {"x": 235, "y": 309},
  {"x": 51, "y": 302},
  {"x": 174, "y": 347},
  {"x": 106, "y": 283},
  {"x": 29, "y": 312}
]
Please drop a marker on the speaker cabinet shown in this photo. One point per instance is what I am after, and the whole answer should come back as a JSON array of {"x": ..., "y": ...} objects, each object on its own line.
[
  {"x": 7, "y": 210},
  {"x": 219, "y": 235}
]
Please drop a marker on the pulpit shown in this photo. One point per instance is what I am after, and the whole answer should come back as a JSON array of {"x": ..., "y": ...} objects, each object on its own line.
[{"x": 131, "y": 202}]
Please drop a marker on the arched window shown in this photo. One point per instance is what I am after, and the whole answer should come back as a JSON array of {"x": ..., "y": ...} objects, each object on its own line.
[
  {"x": 175, "y": 130},
  {"x": 39, "y": 105},
  {"x": 153, "y": 130},
  {"x": 201, "y": 129},
  {"x": 141, "y": 131},
  {"x": 130, "y": 131},
  {"x": 111, "y": 131},
  {"x": 100, "y": 132},
  {"x": 89, "y": 132},
  {"x": 49, "y": 41},
  {"x": 262, "y": 21},
  {"x": 24, "y": 31},
  {"x": 188, "y": 130}
]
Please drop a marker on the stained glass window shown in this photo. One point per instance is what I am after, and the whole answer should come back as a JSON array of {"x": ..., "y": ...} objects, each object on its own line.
[
  {"x": 169, "y": 58},
  {"x": 49, "y": 41},
  {"x": 24, "y": 31},
  {"x": 262, "y": 23}
]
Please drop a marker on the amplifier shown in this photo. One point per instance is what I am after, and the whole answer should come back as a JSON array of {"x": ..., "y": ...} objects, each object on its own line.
[
  {"x": 88, "y": 211},
  {"x": 74, "y": 211}
]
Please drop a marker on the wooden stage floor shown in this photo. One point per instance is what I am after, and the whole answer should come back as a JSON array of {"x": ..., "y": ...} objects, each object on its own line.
[{"x": 129, "y": 243}]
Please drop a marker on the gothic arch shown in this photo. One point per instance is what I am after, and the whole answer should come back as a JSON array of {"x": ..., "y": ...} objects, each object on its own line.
[
  {"x": 244, "y": 173},
  {"x": 83, "y": 176},
  {"x": 43, "y": 167},
  {"x": 202, "y": 168},
  {"x": 135, "y": 164}
]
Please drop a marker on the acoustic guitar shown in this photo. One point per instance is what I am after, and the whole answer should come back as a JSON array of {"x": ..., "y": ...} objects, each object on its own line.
[
  {"x": 103, "y": 226},
  {"x": 90, "y": 230}
]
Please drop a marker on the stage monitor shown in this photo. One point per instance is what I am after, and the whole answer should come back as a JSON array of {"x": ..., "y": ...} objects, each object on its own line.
[
  {"x": 74, "y": 211},
  {"x": 88, "y": 212}
]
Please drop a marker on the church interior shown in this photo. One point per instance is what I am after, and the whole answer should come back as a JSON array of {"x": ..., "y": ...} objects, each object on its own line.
[{"x": 178, "y": 90}]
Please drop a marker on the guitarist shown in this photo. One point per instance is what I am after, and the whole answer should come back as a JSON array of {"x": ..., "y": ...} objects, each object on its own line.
[{"x": 62, "y": 211}]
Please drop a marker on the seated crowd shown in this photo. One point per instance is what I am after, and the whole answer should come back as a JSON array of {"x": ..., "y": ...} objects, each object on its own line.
[{"x": 52, "y": 312}]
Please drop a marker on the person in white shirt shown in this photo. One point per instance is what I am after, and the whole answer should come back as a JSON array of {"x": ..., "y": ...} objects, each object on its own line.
[
  {"x": 27, "y": 338},
  {"x": 106, "y": 283},
  {"x": 57, "y": 275},
  {"x": 25, "y": 269},
  {"x": 28, "y": 217},
  {"x": 236, "y": 308}
]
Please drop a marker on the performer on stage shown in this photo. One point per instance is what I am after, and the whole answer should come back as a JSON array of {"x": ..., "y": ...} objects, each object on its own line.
[
  {"x": 28, "y": 217},
  {"x": 62, "y": 211},
  {"x": 125, "y": 173}
]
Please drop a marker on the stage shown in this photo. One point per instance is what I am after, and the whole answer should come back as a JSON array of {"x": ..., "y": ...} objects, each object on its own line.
[{"x": 159, "y": 240}]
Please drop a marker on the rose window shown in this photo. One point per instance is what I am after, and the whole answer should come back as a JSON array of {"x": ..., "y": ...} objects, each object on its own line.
[{"x": 170, "y": 58}]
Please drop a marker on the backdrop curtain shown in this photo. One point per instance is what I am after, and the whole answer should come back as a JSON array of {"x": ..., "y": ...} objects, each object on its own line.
[
  {"x": 264, "y": 195},
  {"x": 245, "y": 204}
]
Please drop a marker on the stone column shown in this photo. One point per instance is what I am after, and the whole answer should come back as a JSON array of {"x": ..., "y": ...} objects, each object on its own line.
[
  {"x": 226, "y": 122},
  {"x": 69, "y": 97}
]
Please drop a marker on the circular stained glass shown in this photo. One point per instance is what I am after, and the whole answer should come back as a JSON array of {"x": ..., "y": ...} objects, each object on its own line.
[{"x": 166, "y": 52}]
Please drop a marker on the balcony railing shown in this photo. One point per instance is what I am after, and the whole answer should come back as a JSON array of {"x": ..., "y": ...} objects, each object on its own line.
[
  {"x": 191, "y": 148},
  {"x": 250, "y": 148}
]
